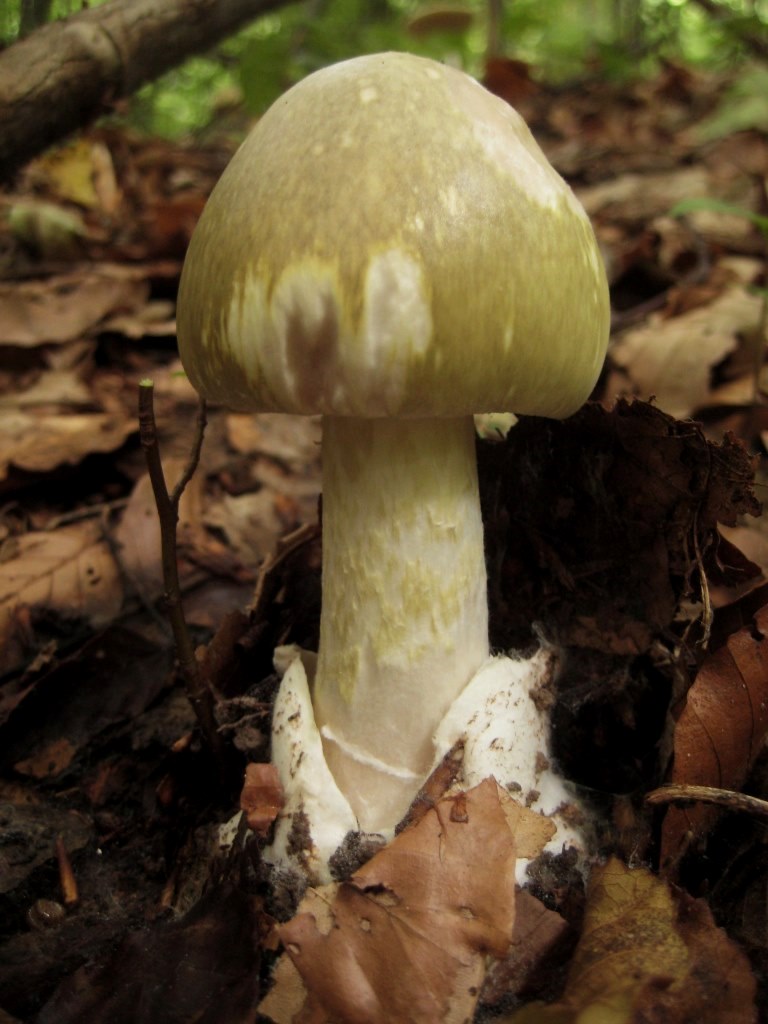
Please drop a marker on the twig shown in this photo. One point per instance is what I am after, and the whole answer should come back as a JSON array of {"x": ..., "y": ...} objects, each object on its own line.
[
  {"x": 285, "y": 547},
  {"x": 707, "y": 615},
  {"x": 199, "y": 694},
  {"x": 67, "y": 880},
  {"x": 675, "y": 794}
]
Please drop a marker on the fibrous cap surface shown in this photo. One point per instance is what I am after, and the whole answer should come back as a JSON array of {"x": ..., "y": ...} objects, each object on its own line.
[{"x": 390, "y": 240}]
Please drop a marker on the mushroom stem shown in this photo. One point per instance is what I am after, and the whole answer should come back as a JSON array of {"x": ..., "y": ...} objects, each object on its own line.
[{"x": 404, "y": 622}]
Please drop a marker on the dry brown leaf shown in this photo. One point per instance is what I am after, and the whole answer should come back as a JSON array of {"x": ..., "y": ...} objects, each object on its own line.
[
  {"x": 201, "y": 967},
  {"x": 66, "y": 307},
  {"x": 38, "y": 443},
  {"x": 262, "y": 796},
  {"x": 541, "y": 940},
  {"x": 751, "y": 541},
  {"x": 647, "y": 955},
  {"x": 138, "y": 533},
  {"x": 249, "y": 521},
  {"x": 58, "y": 388},
  {"x": 49, "y": 760},
  {"x": 672, "y": 359},
  {"x": 80, "y": 172},
  {"x": 155, "y": 319},
  {"x": 641, "y": 197},
  {"x": 720, "y": 732},
  {"x": 294, "y": 440},
  {"x": 426, "y": 911},
  {"x": 69, "y": 571}
]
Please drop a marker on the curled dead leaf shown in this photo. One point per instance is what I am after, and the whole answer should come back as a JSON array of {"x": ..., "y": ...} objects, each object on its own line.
[
  {"x": 69, "y": 571},
  {"x": 647, "y": 953},
  {"x": 262, "y": 796},
  {"x": 672, "y": 359},
  {"x": 38, "y": 443},
  {"x": 66, "y": 307},
  {"x": 426, "y": 911},
  {"x": 720, "y": 732}
]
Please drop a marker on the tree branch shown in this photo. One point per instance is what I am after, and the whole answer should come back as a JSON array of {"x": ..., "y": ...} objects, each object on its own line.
[{"x": 69, "y": 72}]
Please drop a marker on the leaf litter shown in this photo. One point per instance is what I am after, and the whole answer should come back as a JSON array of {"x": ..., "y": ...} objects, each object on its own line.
[
  {"x": 420, "y": 911},
  {"x": 618, "y": 535}
]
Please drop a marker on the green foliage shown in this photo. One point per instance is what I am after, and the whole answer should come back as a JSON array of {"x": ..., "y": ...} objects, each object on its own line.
[
  {"x": 563, "y": 39},
  {"x": 718, "y": 206},
  {"x": 13, "y": 13},
  {"x": 744, "y": 106},
  {"x": 290, "y": 44},
  {"x": 185, "y": 99}
]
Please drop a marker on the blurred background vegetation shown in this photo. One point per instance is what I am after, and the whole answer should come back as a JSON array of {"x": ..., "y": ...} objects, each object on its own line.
[{"x": 562, "y": 40}]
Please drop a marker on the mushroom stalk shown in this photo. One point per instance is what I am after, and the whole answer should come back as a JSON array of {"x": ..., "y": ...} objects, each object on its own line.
[{"x": 404, "y": 622}]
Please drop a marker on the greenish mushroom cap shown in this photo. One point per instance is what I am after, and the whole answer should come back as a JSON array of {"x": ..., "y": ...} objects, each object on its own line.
[{"x": 390, "y": 241}]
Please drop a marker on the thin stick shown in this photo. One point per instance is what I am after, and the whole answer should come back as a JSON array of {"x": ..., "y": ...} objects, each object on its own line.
[
  {"x": 199, "y": 694},
  {"x": 674, "y": 794},
  {"x": 285, "y": 547},
  {"x": 67, "y": 880}
]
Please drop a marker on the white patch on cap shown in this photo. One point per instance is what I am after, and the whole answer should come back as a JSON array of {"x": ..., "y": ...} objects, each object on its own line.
[
  {"x": 396, "y": 323},
  {"x": 368, "y": 94},
  {"x": 247, "y": 319},
  {"x": 450, "y": 199},
  {"x": 507, "y": 143}
]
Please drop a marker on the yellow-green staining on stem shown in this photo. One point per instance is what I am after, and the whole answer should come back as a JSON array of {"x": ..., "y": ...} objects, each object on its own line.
[{"x": 405, "y": 616}]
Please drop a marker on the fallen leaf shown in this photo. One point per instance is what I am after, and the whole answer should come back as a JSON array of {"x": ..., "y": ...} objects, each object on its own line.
[
  {"x": 109, "y": 680},
  {"x": 641, "y": 197},
  {"x": 206, "y": 966},
  {"x": 69, "y": 571},
  {"x": 671, "y": 359},
  {"x": 138, "y": 533},
  {"x": 58, "y": 388},
  {"x": 38, "y": 443},
  {"x": 719, "y": 733},
  {"x": 68, "y": 306},
  {"x": 541, "y": 942},
  {"x": 80, "y": 172},
  {"x": 425, "y": 911},
  {"x": 48, "y": 230},
  {"x": 261, "y": 797},
  {"x": 646, "y": 954},
  {"x": 249, "y": 521},
  {"x": 294, "y": 440},
  {"x": 49, "y": 760},
  {"x": 29, "y": 833}
]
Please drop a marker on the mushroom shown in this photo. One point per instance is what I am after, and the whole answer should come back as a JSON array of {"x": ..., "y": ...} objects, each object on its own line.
[{"x": 390, "y": 248}]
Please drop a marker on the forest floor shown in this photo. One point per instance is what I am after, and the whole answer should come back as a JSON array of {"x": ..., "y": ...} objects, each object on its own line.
[{"x": 636, "y": 546}]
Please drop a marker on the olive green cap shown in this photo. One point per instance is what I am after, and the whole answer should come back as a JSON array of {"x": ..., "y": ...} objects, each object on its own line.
[{"x": 390, "y": 240}]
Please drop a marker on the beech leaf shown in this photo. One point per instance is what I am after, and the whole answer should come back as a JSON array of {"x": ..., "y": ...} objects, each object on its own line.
[
  {"x": 406, "y": 938},
  {"x": 648, "y": 954},
  {"x": 720, "y": 731},
  {"x": 69, "y": 571}
]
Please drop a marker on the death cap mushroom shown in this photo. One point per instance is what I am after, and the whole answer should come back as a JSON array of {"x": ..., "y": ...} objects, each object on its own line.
[{"x": 390, "y": 241}]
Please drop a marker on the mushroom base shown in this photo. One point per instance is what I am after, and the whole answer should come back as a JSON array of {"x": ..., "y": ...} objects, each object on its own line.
[
  {"x": 498, "y": 719},
  {"x": 404, "y": 623}
]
